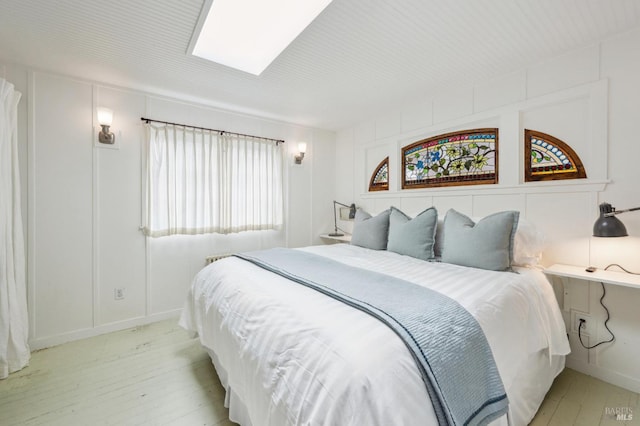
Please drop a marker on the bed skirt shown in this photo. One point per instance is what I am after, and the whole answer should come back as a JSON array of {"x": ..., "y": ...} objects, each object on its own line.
[{"x": 529, "y": 382}]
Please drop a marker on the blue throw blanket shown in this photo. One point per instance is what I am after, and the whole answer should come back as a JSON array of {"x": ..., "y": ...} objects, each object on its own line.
[{"x": 447, "y": 343}]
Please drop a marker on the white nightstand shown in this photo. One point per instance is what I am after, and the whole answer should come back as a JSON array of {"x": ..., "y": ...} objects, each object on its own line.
[
  {"x": 346, "y": 238},
  {"x": 599, "y": 275}
]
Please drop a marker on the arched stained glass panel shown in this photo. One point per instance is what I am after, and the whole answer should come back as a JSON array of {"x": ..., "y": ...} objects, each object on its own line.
[
  {"x": 380, "y": 179},
  {"x": 549, "y": 158},
  {"x": 468, "y": 157}
]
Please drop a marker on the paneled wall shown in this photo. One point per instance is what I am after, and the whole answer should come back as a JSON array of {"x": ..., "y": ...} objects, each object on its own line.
[
  {"x": 82, "y": 203},
  {"x": 586, "y": 99},
  {"x": 577, "y": 114}
]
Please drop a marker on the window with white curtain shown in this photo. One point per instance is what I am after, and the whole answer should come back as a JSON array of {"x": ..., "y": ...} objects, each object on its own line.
[{"x": 201, "y": 181}]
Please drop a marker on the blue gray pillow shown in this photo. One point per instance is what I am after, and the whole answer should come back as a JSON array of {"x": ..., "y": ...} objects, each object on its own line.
[
  {"x": 413, "y": 237},
  {"x": 371, "y": 232},
  {"x": 487, "y": 244}
]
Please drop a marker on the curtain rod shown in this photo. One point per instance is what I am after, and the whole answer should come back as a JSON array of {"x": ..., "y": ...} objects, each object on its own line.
[{"x": 147, "y": 120}]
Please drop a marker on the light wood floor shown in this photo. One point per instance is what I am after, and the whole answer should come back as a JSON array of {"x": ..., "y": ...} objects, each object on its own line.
[
  {"x": 150, "y": 375},
  {"x": 577, "y": 399},
  {"x": 157, "y": 375}
]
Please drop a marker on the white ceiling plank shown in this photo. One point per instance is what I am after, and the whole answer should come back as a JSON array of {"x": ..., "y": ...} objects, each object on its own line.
[{"x": 356, "y": 60}]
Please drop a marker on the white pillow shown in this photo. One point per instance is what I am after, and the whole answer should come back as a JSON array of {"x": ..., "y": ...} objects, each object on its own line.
[{"x": 528, "y": 244}]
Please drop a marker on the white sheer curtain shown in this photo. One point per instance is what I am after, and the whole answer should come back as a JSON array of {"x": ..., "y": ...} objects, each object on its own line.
[
  {"x": 199, "y": 182},
  {"x": 14, "y": 328}
]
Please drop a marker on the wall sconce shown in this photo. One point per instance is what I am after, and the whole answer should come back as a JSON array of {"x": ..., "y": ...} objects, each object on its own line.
[
  {"x": 302, "y": 148},
  {"x": 608, "y": 225},
  {"x": 105, "y": 118}
]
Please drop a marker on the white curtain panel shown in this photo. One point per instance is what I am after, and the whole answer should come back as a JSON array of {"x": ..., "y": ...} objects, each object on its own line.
[
  {"x": 199, "y": 182},
  {"x": 14, "y": 327}
]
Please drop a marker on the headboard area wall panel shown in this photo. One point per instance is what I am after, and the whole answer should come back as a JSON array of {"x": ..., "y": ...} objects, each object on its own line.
[
  {"x": 587, "y": 99},
  {"x": 569, "y": 113}
]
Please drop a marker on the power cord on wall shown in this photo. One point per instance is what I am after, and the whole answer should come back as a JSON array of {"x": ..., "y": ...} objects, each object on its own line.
[
  {"x": 582, "y": 321},
  {"x": 604, "y": 292}
]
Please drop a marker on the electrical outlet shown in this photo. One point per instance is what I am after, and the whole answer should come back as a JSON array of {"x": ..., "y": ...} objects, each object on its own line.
[
  {"x": 118, "y": 293},
  {"x": 587, "y": 325}
]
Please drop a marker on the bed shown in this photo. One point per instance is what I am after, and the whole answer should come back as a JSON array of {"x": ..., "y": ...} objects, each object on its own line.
[{"x": 289, "y": 355}]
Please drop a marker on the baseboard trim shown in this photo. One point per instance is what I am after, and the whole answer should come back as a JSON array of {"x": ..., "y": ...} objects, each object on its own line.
[
  {"x": 609, "y": 376},
  {"x": 47, "y": 342}
]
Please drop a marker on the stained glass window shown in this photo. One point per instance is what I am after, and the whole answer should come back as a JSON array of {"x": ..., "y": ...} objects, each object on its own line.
[
  {"x": 549, "y": 158},
  {"x": 467, "y": 157},
  {"x": 380, "y": 179}
]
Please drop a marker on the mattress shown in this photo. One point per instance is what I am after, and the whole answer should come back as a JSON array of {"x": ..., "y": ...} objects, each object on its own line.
[{"x": 288, "y": 355}]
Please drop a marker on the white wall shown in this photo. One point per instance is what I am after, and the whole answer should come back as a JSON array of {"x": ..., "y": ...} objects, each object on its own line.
[
  {"x": 82, "y": 205},
  {"x": 588, "y": 98}
]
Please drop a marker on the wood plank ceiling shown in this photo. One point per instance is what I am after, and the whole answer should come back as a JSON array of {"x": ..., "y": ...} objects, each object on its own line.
[{"x": 359, "y": 58}]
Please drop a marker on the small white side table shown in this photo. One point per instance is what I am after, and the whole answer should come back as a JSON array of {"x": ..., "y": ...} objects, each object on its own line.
[
  {"x": 599, "y": 275},
  {"x": 346, "y": 238}
]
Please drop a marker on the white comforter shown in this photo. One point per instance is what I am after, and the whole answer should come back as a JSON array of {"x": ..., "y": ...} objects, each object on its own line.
[{"x": 293, "y": 356}]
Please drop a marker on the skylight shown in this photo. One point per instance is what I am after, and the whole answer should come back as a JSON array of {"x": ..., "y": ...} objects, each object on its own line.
[{"x": 249, "y": 34}]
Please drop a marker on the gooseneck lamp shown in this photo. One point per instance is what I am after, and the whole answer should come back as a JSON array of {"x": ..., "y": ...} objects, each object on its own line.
[
  {"x": 352, "y": 214},
  {"x": 608, "y": 225}
]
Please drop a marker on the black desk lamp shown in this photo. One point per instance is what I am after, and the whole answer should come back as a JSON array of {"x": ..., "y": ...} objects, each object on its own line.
[
  {"x": 608, "y": 225},
  {"x": 352, "y": 214}
]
